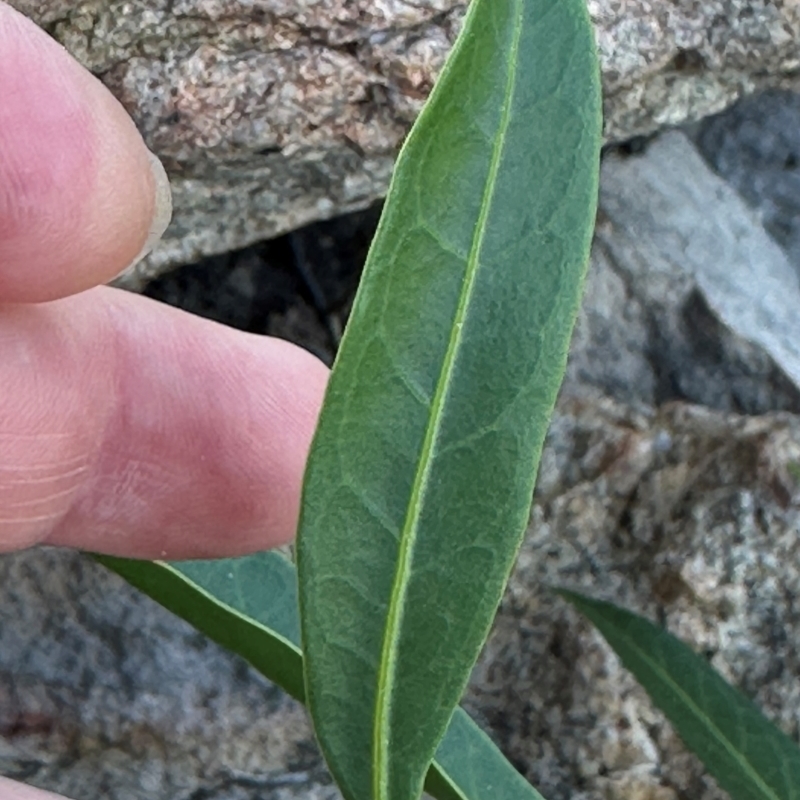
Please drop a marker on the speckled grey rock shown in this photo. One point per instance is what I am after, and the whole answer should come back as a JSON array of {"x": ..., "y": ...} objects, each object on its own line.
[
  {"x": 688, "y": 516},
  {"x": 755, "y": 146},
  {"x": 688, "y": 297},
  {"x": 272, "y": 113}
]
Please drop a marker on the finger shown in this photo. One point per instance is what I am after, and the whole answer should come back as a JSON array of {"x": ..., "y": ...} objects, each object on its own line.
[
  {"x": 131, "y": 428},
  {"x": 78, "y": 188},
  {"x": 17, "y": 791}
]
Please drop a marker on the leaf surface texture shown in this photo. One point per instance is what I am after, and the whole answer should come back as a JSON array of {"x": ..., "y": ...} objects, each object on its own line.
[{"x": 419, "y": 483}]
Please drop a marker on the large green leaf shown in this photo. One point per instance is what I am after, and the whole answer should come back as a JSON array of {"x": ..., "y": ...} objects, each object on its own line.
[
  {"x": 420, "y": 478},
  {"x": 747, "y": 754},
  {"x": 249, "y": 605}
]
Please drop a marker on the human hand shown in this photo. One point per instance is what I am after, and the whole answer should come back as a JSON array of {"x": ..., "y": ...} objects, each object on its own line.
[{"x": 126, "y": 427}]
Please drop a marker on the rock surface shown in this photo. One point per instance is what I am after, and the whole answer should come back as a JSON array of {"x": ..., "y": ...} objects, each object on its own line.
[
  {"x": 687, "y": 296},
  {"x": 687, "y": 515},
  {"x": 756, "y": 148},
  {"x": 271, "y": 113}
]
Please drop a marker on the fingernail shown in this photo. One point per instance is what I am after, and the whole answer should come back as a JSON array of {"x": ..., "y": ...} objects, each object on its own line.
[{"x": 162, "y": 215}]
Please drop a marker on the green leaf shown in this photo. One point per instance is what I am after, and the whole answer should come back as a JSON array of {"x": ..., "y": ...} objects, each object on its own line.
[
  {"x": 249, "y": 605},
  {"x": 750, "y": 758},
  {"x": 420, "y": 478},
  {"x": 473, "y": 767}
]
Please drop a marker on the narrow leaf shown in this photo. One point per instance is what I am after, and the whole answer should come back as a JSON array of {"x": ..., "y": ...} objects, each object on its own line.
[
  {"x": 420, "y": 478},
  {"x": 749, "y": 757},
  {"x": 469, "y": 762},
  {"x": 249, "y": 605}
]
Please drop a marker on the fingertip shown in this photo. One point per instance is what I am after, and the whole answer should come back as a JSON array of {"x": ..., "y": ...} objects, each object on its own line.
[
  {"x": 78, "y": 197},
  {"x": 9, "y": 790}
]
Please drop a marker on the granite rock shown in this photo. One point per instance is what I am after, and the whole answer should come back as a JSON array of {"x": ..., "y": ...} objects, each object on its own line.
[
  {"x": 688, "y": 297},
  {"x": 755, "y": 146},
  {"x": 271, "y": 113},
  {"x": 686, "y": 515}
]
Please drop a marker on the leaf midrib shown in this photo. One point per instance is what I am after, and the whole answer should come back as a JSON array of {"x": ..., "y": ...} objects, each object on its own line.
[{"x": 408, "y": 535}]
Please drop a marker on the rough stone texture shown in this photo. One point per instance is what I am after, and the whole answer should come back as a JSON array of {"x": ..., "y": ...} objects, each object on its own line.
[
  {"x": 755, "y": 146},
  {"x": 687, "y": 515},
  {"x": 687, "y": 296},
  {"x": 272, "y": 113}
]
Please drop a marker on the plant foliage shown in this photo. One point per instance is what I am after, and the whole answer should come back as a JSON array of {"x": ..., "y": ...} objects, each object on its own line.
[
  {"x": 420, "y": 478},
  {"x": 750, "y": 757},
  {"x": 249, "y": 605}
]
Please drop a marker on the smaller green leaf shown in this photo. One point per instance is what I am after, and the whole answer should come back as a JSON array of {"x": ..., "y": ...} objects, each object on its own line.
[
  {"x": 249, "y": 605},
  {"x": 749, "y": 757},
  {"x": 469, "y": 763}
]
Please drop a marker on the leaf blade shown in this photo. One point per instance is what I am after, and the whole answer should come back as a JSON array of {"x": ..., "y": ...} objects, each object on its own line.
[
  {"x": 270, "y": 622},
  {"x": 748, "y": 756},
  {"x": 256, "y": 618},
  {"x": 469, "y": 760},
  {"x": 429, "y": 387}
]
